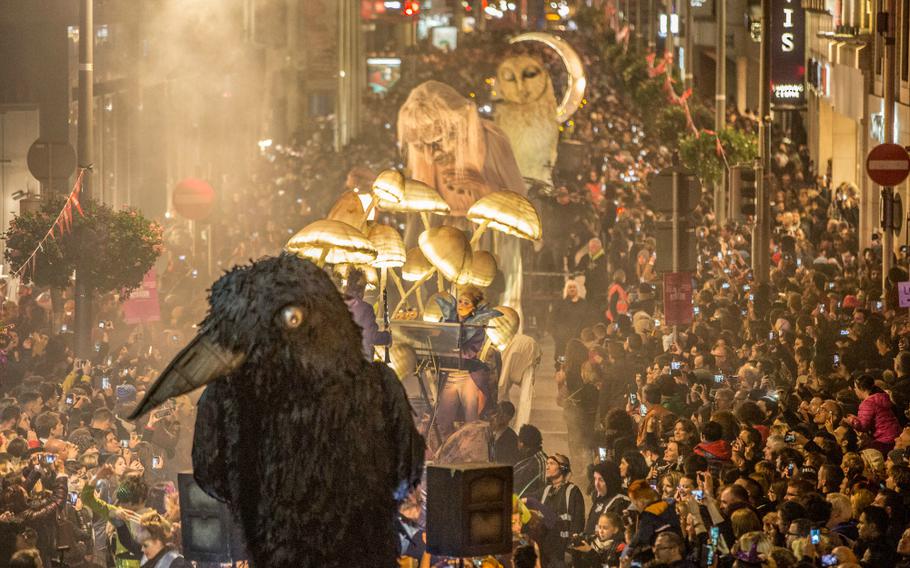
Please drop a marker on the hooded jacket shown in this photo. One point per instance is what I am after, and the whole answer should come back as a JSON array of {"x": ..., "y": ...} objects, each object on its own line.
[{"x": 876, "y": 416}]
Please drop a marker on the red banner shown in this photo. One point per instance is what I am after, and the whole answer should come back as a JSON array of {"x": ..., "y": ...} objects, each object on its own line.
[
  {"x": 678, "y": 298},
  {"x": 142, "y": 307}
]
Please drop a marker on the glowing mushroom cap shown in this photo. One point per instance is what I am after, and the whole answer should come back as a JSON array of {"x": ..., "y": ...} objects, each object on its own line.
[
  {"x": 345, "y": 244},
  {"x": 389, "y": 186},
  {"x": 348, "y": 209},
  {"x": 449, "y": 251},
  {"x": 483, "y": 269},
  {"x": 432, "y": 312},
  {"x": 418, "y": 198},
  {"x": 389, "y": 247},
  {"x": 415, "y": 266},
  {"x": 507, "y": 212},
  {"x": 502, "y": 329},
  {"x": 403, "y": 360}
]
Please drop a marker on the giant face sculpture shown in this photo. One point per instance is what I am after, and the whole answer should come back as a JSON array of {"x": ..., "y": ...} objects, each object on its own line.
[
  {"x": 446, "y": 144},
  {"x": 522, "y": 80}
]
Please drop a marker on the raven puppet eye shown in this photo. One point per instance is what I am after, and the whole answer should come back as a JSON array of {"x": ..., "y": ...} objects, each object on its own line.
[{"x": 291, "y": 317}]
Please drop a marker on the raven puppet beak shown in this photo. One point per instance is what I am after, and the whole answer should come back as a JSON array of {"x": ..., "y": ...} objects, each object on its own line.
[{"x": 197, "y": 364}]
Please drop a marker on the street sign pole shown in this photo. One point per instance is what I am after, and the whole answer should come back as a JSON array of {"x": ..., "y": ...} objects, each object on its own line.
[{"x": 885, "y": 22}]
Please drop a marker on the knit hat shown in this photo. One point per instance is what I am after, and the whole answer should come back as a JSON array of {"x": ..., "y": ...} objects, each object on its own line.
[{"x": 125, "y": 394}]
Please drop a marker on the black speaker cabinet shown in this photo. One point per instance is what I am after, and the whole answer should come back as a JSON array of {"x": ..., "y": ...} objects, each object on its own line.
[
  {"x": 208, "y": 528},
  {"x": 469, "y": 509}
]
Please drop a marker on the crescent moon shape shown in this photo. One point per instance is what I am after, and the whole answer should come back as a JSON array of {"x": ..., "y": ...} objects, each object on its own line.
[{"x": 575, "y": 91}]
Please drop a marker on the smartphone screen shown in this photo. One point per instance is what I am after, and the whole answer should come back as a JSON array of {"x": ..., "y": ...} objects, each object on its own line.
[
  {"x": 643, "y": 410},
  {"x": 709, "y": 554},
  {"x": 602, "y": 454},
  {"x": 718, "y": 379},
  {"x": 73, "y": 497},
  {"x": 124, "y": 443},
  {"x": 633, "y": 398},
  {"x": 698, "y": 494},
  {"x": 105, "y": 383},
  {"x": 715, "y": 534},
  {"x": 156, "y": 462},
  {"x": 815, "y": 536}
]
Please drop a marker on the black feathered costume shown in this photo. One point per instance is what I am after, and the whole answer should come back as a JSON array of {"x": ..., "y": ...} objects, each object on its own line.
[{"x": 308, "y": 443}]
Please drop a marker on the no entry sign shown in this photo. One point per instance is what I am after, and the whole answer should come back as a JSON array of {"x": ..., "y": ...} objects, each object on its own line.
[
  {"x": 194, "y": 199},
  {"x": 888, "y": 164}
]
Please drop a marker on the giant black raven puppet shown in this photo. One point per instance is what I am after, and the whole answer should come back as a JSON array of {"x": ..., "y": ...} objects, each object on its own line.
[{"x": 308, "y": 443}]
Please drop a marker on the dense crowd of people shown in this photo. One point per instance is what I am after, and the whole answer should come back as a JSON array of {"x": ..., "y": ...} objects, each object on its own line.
[{"x": 771, "y": 431}]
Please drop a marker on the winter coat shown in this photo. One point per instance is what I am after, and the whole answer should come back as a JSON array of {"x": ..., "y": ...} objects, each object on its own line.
[
  {"x": 656, "y": 518},
  {"x": 876, "y": 416},
  {"x": 718, "y": 450}
]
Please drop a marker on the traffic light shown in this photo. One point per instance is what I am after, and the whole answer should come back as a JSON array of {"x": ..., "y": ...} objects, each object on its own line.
[
  {"x": 688, "y": 194},
  {"x": 410, "y": 8},
  {"x": 742, "y": 191}
]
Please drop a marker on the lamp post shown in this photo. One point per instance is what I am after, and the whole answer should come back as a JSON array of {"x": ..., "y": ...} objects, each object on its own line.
[
  {"x": 720, "y": 105},
  {"x": 762, "y": 236},
  {"x": 86, "y": 132}
]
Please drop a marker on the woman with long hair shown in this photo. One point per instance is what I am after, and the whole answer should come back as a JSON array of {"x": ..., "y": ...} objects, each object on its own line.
[
  {"x": 633, "y": 467},
  {"x": 469, "y": 387}
]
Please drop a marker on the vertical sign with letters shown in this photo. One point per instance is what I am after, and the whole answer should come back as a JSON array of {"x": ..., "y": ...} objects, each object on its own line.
[{"x": 788, "y": 54}]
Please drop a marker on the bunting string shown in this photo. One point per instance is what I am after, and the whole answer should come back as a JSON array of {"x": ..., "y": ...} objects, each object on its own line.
[
  {"x": 662, "y": 68},
  {"x": 63, "y": 223}
]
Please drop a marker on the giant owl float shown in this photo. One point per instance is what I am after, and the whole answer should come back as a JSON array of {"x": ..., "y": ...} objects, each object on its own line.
[{"x": 528, "y": 113}]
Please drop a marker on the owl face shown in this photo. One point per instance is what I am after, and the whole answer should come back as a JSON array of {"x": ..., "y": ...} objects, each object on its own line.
[{"x": 522, "y": 79}]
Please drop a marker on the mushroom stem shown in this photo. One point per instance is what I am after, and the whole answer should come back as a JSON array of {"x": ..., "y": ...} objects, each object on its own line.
[
  {"x": 481, "y": 229},
  {"x": 426, "y": 220},
  {"x": 373, "y": 204},
  {"x": 321, "y": 262},
  {"x": 414, "y": 287}
]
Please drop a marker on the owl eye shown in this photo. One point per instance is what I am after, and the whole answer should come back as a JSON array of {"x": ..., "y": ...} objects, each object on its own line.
[
  {"x": 291, "y": 317},
  {"x": 531, "y": 73},
  {"x": 508, "y": 76}
]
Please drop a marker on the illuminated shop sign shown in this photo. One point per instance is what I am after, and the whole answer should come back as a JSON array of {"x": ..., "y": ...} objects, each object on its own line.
[
  {"x": 789, "y": 92},
  {"x": 788, "y": 53}
]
